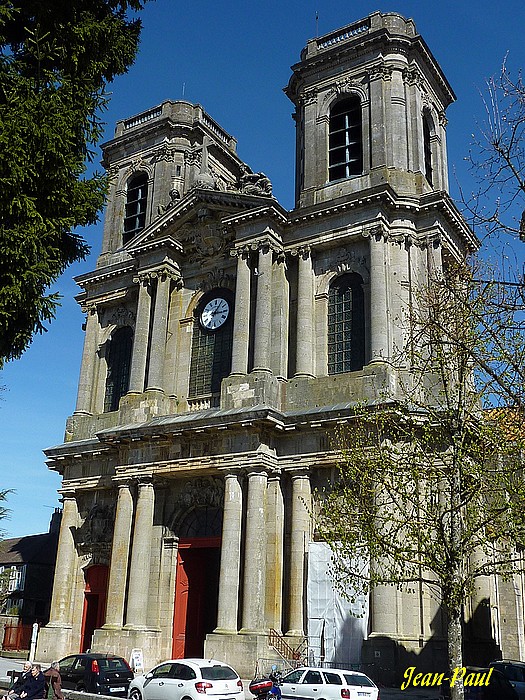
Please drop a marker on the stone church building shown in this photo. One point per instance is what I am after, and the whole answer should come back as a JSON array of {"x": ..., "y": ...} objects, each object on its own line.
[{"x": 225, "y": 337}]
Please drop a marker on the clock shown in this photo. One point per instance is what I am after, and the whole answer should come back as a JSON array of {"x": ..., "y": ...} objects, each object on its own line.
[{"x": 215, "y": 314}]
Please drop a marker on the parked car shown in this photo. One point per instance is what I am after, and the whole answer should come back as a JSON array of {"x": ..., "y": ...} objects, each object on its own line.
[
  {"x": 309, "y": 683},
  {"x": 499, "y": 688},
  {"x": 102, "y": 674},
  {"x": 187, "y": 679},
  {"x": 514, "y": 672}
]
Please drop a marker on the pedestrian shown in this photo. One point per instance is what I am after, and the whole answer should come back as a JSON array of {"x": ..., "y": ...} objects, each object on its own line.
[
  {"x": 53, "y": 682},
  {"x": 14, "y": 691},
  {"x": 35, "y": 686}
]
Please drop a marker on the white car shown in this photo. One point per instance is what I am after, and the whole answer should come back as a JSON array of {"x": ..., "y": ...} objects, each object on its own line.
[
  {"x": 327, "y": 684},
  {"x": 188, "y": 679}
]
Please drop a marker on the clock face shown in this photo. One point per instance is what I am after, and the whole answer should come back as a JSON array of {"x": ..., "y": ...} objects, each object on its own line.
[{"x": 215, "y": 313}]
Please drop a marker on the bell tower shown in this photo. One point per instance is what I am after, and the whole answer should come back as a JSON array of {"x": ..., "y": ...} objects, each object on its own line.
[{"x": 370, "y": 110}]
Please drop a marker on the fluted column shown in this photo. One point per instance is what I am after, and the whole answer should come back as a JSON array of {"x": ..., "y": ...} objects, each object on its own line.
[
  {"x": 140, "y": 340},
  {"x": 140, "y": 556},
  {"x": 119, "y": 557},
  {"x": 263, "y": 310},
  {"x": 300, "y": 537},
  {"x": 158, "y": 333},
  {"x": 89, "y": 358},
  {"x": 255, "y": 555},
  {"x": 228, "y": 604},
  {"x": 61, "y": 613},
  {"x": 241, "y": 320},
  {"x": 379, "y": 332},
  {"x": 305, "y": 314}
]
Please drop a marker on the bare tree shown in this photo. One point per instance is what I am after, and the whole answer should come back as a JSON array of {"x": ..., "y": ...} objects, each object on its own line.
[{"x": 431, "y": 485}]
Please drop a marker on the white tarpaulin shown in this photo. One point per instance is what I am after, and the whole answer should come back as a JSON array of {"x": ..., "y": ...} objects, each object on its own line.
[{"x": 336, "y": 626}]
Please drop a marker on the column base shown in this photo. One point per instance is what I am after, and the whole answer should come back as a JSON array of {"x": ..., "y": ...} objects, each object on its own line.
[
  {"x": 54, "y": 641},
  {"x": 241, "y": 650},
  {"x": 122, "y": 640}
]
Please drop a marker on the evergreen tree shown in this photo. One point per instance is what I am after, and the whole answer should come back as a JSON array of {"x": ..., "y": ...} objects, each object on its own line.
[{"x": 56, "y": 58}]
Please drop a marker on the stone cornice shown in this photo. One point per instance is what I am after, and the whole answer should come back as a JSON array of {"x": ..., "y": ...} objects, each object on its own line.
[{"x": 105, "y": 273}]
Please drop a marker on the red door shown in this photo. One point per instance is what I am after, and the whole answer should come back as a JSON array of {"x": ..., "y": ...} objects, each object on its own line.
[
  {"x": 94, "y": 613},
  {"x": 196, "y": 592}
]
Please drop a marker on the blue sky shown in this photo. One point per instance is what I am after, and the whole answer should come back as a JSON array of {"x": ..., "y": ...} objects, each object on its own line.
[{"x": 234, "y": 58}]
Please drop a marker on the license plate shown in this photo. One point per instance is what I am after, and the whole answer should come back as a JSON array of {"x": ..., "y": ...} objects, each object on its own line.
[
  {"x": 117, "y": 690},
  {"x": 360, "y": 695}
]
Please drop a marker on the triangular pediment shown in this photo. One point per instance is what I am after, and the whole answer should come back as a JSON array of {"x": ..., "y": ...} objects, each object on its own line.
[{"x": 192, "y": 224}]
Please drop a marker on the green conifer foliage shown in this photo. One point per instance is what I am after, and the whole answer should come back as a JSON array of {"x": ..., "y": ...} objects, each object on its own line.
[{"x": 56, "y": 59}]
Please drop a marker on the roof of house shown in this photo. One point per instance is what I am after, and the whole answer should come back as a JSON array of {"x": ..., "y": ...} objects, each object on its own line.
[{"x": 32, "y": 549}]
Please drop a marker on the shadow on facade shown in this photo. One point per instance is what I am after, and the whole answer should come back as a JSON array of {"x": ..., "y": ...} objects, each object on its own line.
[{"x": 385, "y": 659}]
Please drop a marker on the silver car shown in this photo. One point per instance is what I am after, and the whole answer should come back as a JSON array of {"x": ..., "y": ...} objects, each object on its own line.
[
  {"x": 188, "y": 679},
  {"x": 310, "y": 683}
]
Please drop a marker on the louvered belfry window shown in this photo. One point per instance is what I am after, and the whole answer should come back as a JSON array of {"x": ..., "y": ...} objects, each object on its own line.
[
  {"x": 136, "y": 201},
  {"x": 345, "y": 146}
]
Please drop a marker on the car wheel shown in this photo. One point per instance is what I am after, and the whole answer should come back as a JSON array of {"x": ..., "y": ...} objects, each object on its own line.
[
  {"x": 135, "y": 694},
  {"x": 81, "y": 688}
]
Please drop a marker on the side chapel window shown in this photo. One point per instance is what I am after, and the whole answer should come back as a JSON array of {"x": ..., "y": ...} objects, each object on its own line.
[
  {"x": 119, "y": 365},
  {"x": 427, "y": 147},
  {"x": 136, "y": 200},
  {"x": 345, "y": 139},
  {"x": 346, "y": 324},
  {"x": 211, "y": 350}
]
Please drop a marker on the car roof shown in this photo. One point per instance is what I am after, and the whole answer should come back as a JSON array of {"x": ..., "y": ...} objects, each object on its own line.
[
  {"x": 508, "y": 661},
  {"x": 197, "y": 662},
  {"x": 330, "y": 670}
]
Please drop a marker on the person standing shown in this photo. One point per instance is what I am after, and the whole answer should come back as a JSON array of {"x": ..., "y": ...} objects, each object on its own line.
[{"x": 53, "y": 682}]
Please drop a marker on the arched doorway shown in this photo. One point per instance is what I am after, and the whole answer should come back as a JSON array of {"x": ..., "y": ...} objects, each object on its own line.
[
  {"x": 95, "y": 593},
  {"x": 197, "y": 582}
]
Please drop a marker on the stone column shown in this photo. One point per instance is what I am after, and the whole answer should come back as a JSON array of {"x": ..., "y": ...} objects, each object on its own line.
[
  {"x": 377, "y": 116},
  {"x": 280, "y": 317},
  {"x": 263, "y": 310},
  {"x": 305, "y": 315},
  {"x": 140, "y": 557},
  {"x": 158, "y": 333},
  {"x": 300, "y": 537},
  {"x": 241, "y": 320},
  {"x": 61, "y": 613},
  {"x": 140, "y": 340},
  {"x": 119, "y": 558},
  {"x": 86, "y": 382},
  {"x": 228, "y": 605},
  {"x": 274, "y": 555},
  {"x": 255, "y": 555},
  {"x": 379, "y": 331}
]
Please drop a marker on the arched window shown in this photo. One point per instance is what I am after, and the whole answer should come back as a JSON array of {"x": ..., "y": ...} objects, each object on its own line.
[
  {"x": 427, "y": 146},
  {"x": 211, "y": 350},
  {"x": 136, "y": 200},
  {"x": 346, "y": 324},
  {"x": 345, "y": 146},
  {"x": 119, "y": 364}
]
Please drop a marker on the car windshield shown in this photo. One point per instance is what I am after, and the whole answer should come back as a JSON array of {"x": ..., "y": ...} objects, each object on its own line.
[
  {"x": 218, "y": 673},
  {"x": 354, "y": 679},
  {"x": 112, "y": 665}
]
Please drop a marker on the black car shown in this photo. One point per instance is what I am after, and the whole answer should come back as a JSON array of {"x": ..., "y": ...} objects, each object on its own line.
[
  {"x": 498, "y": 688},
  {"x": 103, "y": 674}
]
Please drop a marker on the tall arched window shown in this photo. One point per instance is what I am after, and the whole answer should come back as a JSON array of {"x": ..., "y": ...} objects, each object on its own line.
[
  {"x": 136, "y": 200},
  {"x": 345, "y": 146},
  {"x": 119, "y": 365},
  {"x": 346, "y": 324},
  {"x": 211, "y": 350},
  {"x": 427, "y": 147}
]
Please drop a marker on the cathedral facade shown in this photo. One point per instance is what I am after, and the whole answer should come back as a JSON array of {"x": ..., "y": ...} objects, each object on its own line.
[{"x": 225, "y": 338}]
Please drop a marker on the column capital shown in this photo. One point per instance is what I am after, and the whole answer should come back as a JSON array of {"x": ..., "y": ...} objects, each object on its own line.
[
  {"x": 377, "y": 233},
  {"x": 301, "y": 251},
  {"x": 299, "y": 472}
]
